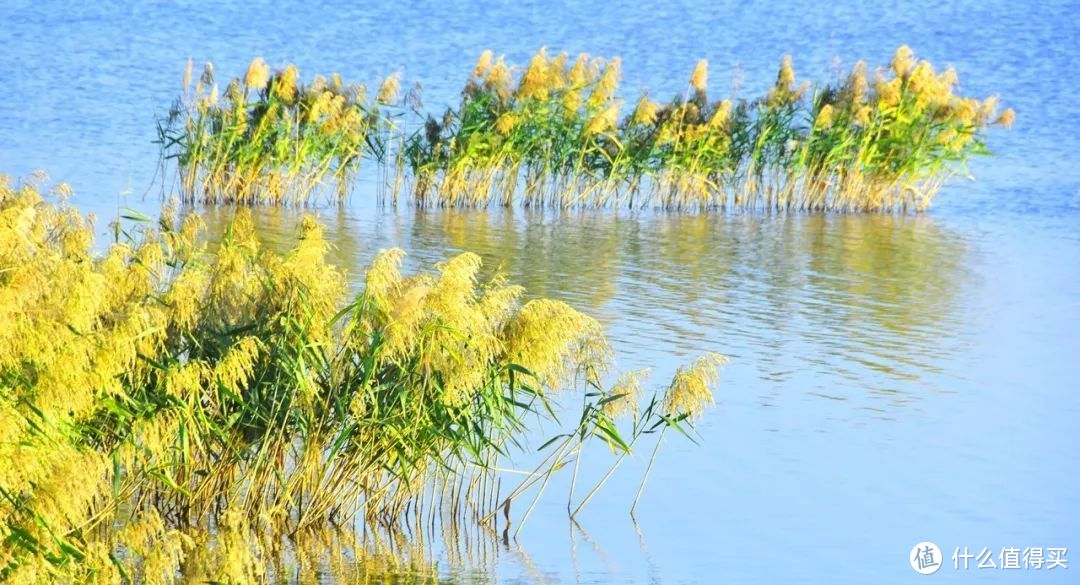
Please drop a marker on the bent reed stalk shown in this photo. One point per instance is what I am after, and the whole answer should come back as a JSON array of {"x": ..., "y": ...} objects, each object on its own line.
[
  {"x": 556, "y": 137},
  {"x": 162, "y": 396}
]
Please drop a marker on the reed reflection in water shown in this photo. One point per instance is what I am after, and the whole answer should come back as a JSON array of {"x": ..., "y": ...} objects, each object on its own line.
[{"x": 859, "y": 308}]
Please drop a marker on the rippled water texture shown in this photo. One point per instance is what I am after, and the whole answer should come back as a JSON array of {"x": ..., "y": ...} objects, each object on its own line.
[{"x": 893, "y": 379}]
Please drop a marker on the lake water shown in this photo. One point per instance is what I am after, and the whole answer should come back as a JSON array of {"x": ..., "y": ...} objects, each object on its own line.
[{"x": 892, "y": 379}]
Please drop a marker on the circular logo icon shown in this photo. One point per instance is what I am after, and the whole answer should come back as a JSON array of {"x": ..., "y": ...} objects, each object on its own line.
[{"x": 925, "y": 558}]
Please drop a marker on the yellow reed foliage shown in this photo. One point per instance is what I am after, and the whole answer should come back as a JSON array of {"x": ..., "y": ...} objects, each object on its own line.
[
  {"x": 604, "y": 121},
  {"x": 606, "y": 84},
  {"x": 159, "y": 380},
  {"x": 554, "y": 342},
  {"x": 645, "y": 112},
  {"x": 534, "y": 82},
  {"x": 1007, "y": 118},
  {"x": 784, "y": 91},
  {"x": 285, "y": 82},
  {"x": 498, "y": 78},
  {"x": 785, "y": 79},
  {"x": 78, "y": 328},
  {"x": 857, "y": 84},
  {"x": 506, "y": 122},
  {"x": 824, "y": 118},
  {"x": 258, "y": 73},
  {"x": 626, "y": 393},
  {"x": 72, "y": 330},
  {"x": 388, "y": 90},
  {"x": 888, "y": 91},
  {"x": 71, "y": 325},
  {"x": 689, "y": 392},
  {"x": 557, "y": 78},
  {"x": 581, "y": 73},
  {"x": 483, "y": 64},
  {"x": 459, "y": 326},
  {"x": 700, "y": 77},
  {"x": 84, "y": 334},
  {"x": 721, "y": 115},
  {"x": 571, "y": 102},
  {"x": 902, "y": 61},
  {"x": 862, "y": 115}
]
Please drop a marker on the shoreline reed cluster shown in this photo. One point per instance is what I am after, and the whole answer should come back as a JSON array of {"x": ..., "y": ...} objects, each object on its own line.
[
  {"x": 558, "y": 134},
  {"x": 164, "y": 400},
  {"x": 271, "y": 139}
]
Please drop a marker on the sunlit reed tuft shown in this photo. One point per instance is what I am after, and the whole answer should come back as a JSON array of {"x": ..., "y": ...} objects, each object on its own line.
[
  {"x": 553, "y": 133},
  {"x": 272, "y": 139},
  {"x": 171, "y": 410}
]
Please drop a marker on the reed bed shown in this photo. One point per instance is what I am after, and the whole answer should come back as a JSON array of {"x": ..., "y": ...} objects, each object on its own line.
[
  {"x": 558, "y": 133},
  {"x": 271, "y": 139},
  {"x": 557, "y": 137},
  {"x": 163, "y": 401}
]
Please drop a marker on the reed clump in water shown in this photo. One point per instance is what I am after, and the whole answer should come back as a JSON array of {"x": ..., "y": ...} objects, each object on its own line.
[
  {"x": 559, "y": 134},
  {"x": 161, "y": 402},
  {"x": 269, "y": 138},
  {"x": 853, "y": 144},
  {"x": 553, "y": 131}
]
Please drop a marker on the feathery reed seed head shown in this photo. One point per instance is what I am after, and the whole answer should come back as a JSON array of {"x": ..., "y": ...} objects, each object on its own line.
[
  {"x": 700, "y": 77},
  {"x": 689, "y": 393},
  {"x": 388, "y": 90},
  {"x": 902, "y": 61},
  {"x": 721, "y": 115},
  {"x": 506, "y": 123},
  {"x": 534, "y": 82},
  {"x": 645, "y": 112},
  {"x": 785, "y": 79},
  {"x": 988, "y": 109},
  {"x": 862, "y": 115},
  {"x": 498, "y": 78},
  {"x": 579, "y": 75},
  {"x": 554, "y": 341},
  {"x": 284, "y": 86},
  {"x": 258, "y": 74},
  {"x": 605, "y": 86},
  {"x": 948, "y": 79},
  {"x": 556, "y": 72},
  {"x": 626, "y": 395},
  {"x": 1007, "y": 118},
  {"x": 483, "y": 64},
  {"x": 187, "y": 74},
  {"x": 603, "y": 121},
  {"x": 824, "y": 118},
  {"x": 858, "y": 85}
]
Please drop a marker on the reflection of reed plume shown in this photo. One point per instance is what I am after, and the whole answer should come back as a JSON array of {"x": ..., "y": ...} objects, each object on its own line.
[{"x": 873, "y": 293}]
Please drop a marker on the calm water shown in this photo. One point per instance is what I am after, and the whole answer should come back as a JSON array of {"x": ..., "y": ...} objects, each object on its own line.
[{"x": 893, "y": 379}]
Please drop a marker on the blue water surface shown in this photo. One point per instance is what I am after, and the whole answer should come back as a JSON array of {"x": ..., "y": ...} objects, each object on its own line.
[{"x": 892, "y": 379}]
